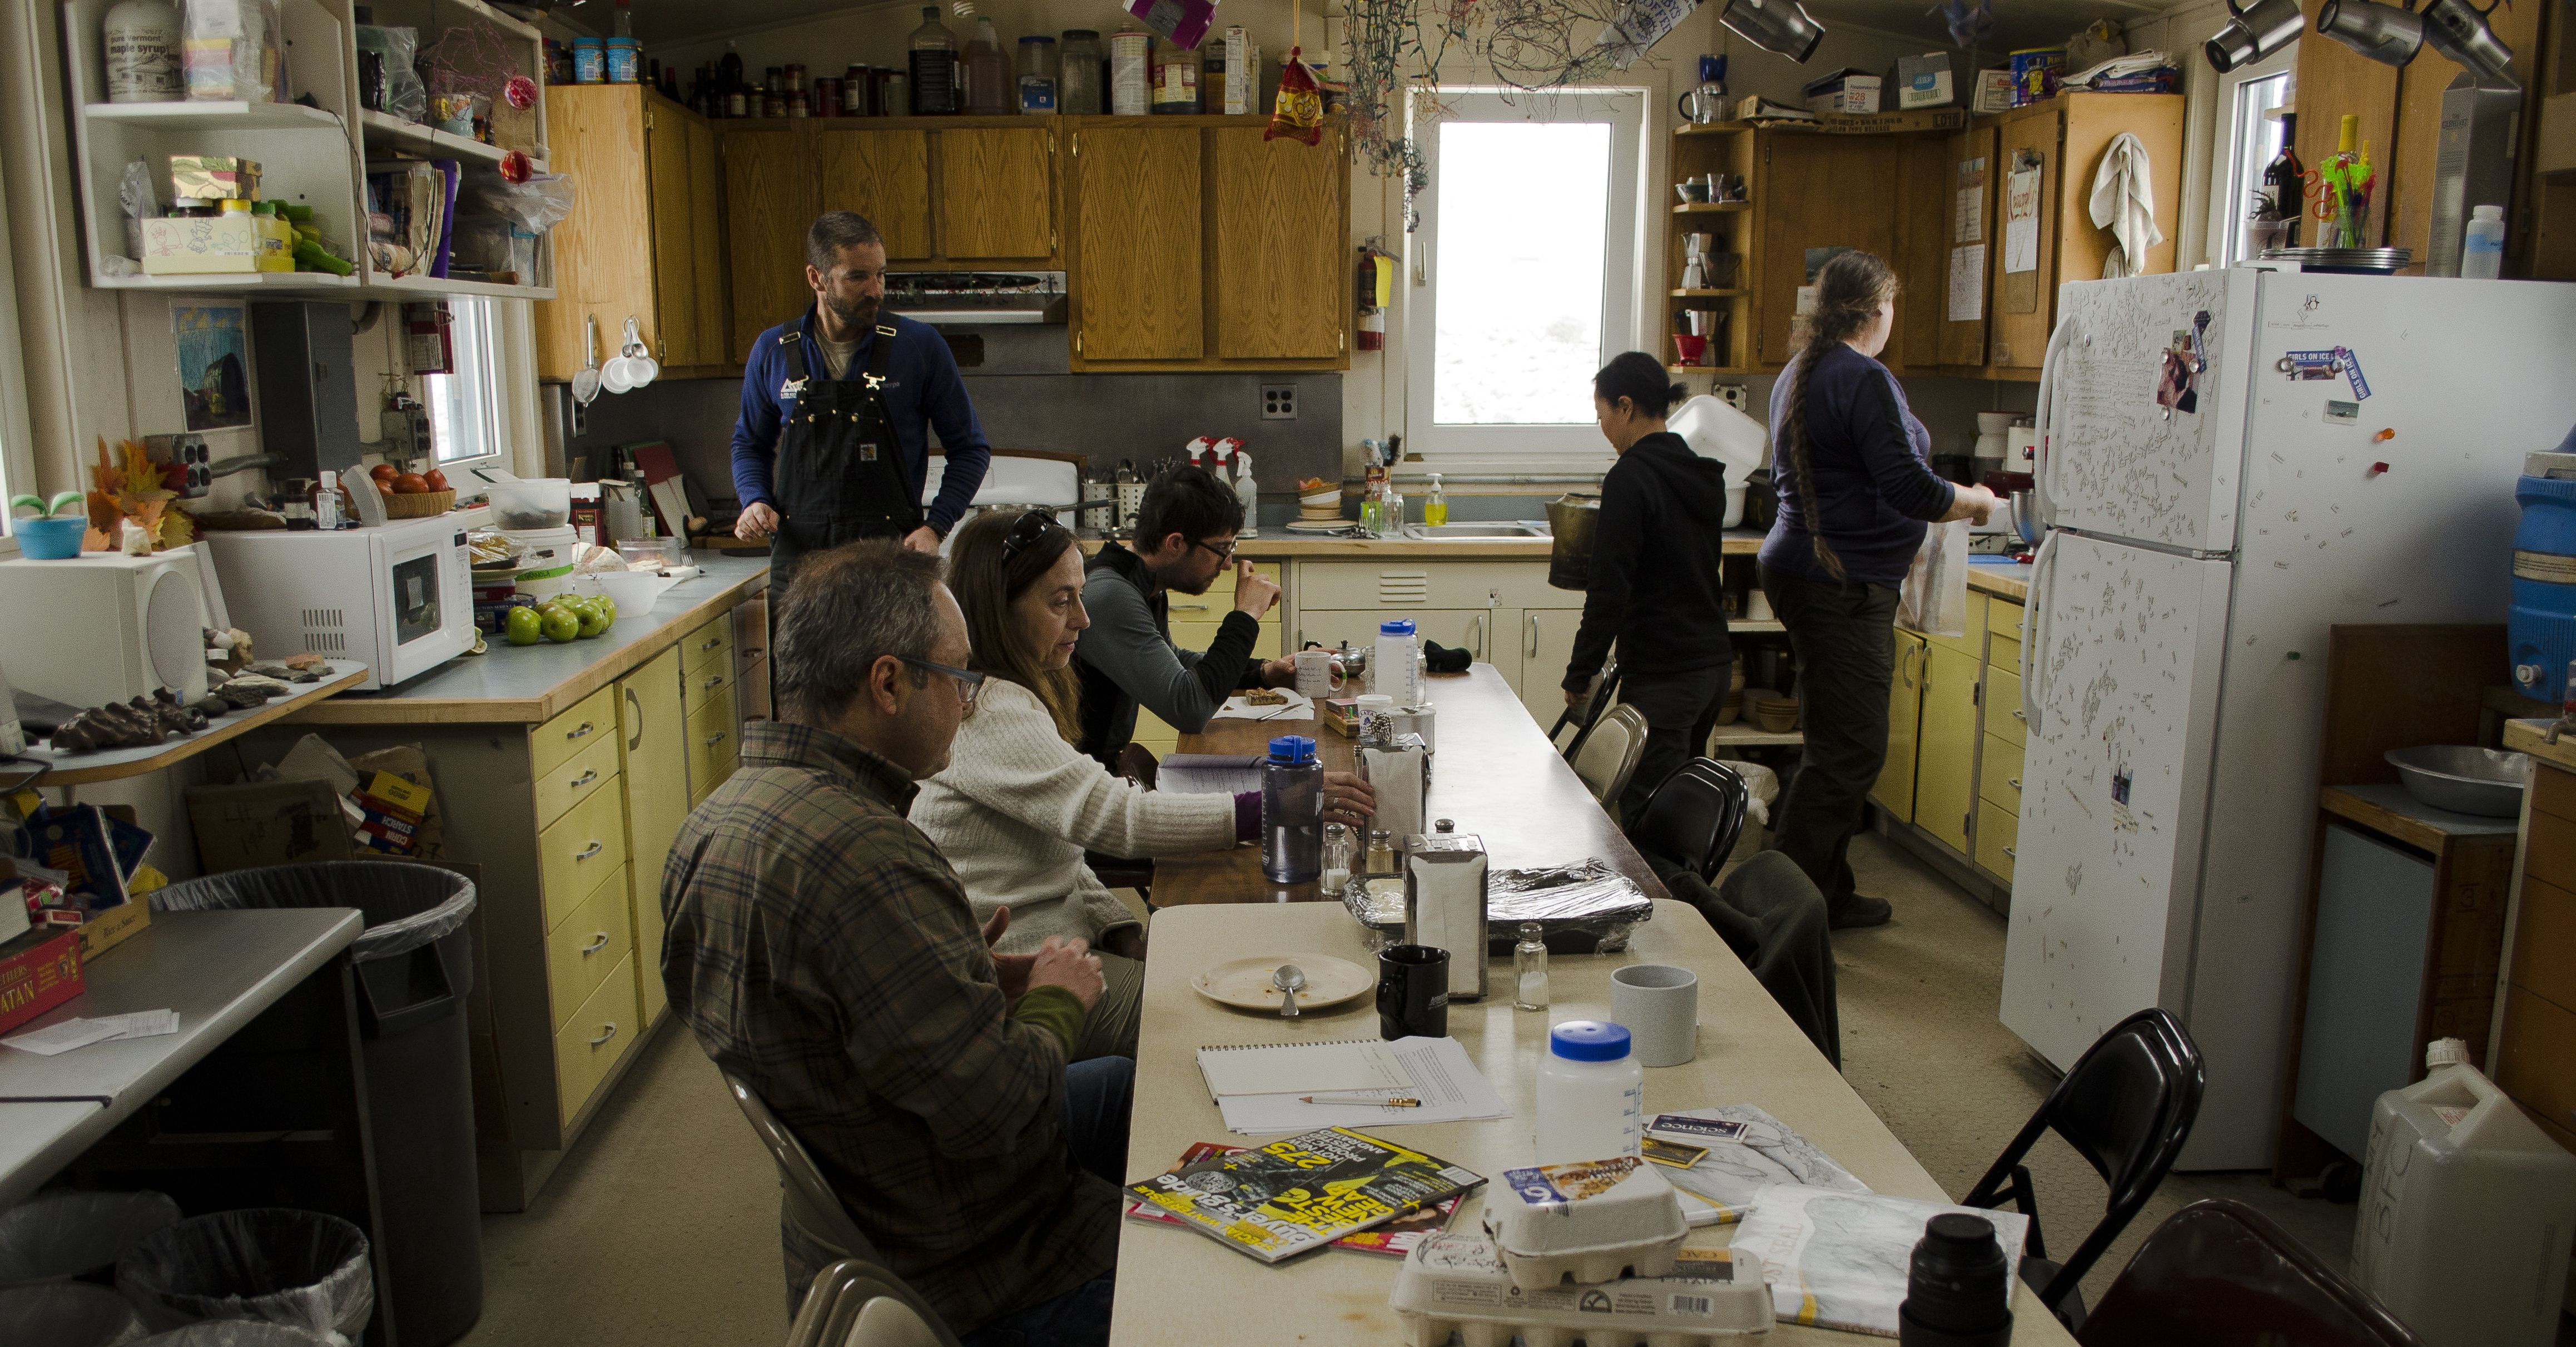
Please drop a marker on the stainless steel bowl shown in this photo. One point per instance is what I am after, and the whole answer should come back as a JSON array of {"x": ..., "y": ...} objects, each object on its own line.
[
  {"x": 2025, "y": 520},
  {"x": 2464, "y": 780}
]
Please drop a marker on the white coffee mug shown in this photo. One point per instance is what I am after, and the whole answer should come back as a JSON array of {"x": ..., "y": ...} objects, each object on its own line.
[
  {"x": 1319, "y": 673},
  {"x": 1659, "y": 1004}
]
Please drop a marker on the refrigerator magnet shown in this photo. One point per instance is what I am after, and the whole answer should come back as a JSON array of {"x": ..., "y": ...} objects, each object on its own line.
[
  {"x": 2352, "y": 371},
  {"x": 2343, "y": 413},
  {"x": 2302, "y": 366}
]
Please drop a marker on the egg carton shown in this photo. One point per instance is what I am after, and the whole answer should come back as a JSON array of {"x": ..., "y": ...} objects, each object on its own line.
[
  {"x": 1457, "y": 1284},
  {"x": 1590, "y": 1221}
]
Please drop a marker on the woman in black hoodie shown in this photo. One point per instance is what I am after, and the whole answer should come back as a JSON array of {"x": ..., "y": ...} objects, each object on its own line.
[{"x": 1655, "y": 577}]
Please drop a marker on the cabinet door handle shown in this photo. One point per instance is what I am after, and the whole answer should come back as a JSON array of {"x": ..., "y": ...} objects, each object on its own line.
[
  {"x": 1532, "y": 651},
  {"x": 599, "y": 941},
  {"x": 715, "y": 738},
  {"x": 1480, "y": 638},
  {"x": 2013, "y": 781},
  {"x": 612, "y": 1033},
  {"x": 637, "y": 704},
  {"x": 586, "y": 727},
  {"x": 2017, "y": 715},
  {"x": 584, "y": 779},
  {"x": 710, "y": 643},
  {"x": 589, "y": 851},
  {"x": 1190, "y": 607},
  {"x": 2008, "y": 854},
  {"x": 715, "y": 682}
]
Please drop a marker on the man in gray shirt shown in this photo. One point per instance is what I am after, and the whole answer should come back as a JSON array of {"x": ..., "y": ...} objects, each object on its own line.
[{"x": 1184, "y": 537}]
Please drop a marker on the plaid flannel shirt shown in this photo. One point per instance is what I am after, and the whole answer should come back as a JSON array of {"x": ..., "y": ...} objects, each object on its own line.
[{"x": 823, "y": 952}]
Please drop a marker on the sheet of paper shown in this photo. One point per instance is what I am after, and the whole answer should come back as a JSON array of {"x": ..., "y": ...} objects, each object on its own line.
[
  {"x": 2021, "y": 220},
  {"x": 1299, "y": 707},
  {"x": 1208, "y": 774},
  {"x": 1968, "y": 216},
  {"x": 56, "y": 1039},
  {"x": 1301, "y": 1068},
  {"x": 1444, "y": 1079},
  {"x": 1967, "y": 283}
]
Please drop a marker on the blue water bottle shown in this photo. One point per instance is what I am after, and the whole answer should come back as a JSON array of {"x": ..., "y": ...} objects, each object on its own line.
[{"x": 1292, "y": 811}]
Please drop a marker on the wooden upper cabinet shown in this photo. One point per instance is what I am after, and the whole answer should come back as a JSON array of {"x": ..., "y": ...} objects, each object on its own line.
[
  {"x": 1819, "y": 192},
  {"x": 996, "y": 193},
  {"x": 1968, "y": 222},
  {"x": 771, "y": 199},
  {"x": 2021, "y": 305},
  {"x": 1137, "y": 250},
  {"x": 706, "y": 245},
  {"x": 885, "y": 176},
  {"x": 673, "y": 336},
  {"x": 598, "y": 135},
  {"x": 2065, "y": 136},
  {"x": 1278, "y": 211}
]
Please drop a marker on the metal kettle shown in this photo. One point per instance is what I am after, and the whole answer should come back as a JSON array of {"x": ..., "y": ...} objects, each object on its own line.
[
  {"x": 1571, "y": 521},
  {"x": 1707, "y": 103}
]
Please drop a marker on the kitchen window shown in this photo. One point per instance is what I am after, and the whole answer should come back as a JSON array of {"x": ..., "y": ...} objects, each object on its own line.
[
  {"x": 1525, "y": 273},
  {"x": 17, "y": 443},
  {"x": 2249, "y": 136},
  {"x": 465, "y": 413}
]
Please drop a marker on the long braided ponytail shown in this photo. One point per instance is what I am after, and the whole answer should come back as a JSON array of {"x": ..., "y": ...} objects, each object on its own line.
[{"x": 1849, "y": 290}]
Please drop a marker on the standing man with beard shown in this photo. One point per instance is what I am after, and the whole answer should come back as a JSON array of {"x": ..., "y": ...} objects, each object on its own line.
[{"x": 830, "y": 447}]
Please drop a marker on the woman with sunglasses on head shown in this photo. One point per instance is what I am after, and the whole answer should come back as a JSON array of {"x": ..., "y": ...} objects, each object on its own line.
[{"x": 1018, "y": 804}]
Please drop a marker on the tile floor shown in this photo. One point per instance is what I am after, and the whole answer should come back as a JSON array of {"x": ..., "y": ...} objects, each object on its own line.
[{"x": 662, "y": 1225}]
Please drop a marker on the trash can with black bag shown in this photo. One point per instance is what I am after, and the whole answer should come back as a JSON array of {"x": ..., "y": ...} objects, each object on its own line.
[
  {"x": 414, "y": 964},
  {"x": 266, "y": 1265}
]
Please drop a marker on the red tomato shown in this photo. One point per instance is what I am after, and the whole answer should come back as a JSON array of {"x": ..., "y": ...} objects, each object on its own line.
[
  {"x": 384, "y": 473},
  {"x": 437, "y": 480},
  {"x": 409, "y": 484}
]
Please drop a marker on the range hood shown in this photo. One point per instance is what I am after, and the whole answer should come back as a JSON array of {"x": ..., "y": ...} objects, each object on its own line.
[{"x": 977, "y": 298}]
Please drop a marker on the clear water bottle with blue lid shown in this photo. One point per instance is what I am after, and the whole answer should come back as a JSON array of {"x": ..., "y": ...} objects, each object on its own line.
[{"x": 1292, "y": 811}]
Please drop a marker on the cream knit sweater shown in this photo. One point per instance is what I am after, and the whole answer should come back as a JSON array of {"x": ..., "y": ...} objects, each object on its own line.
[{"x": 1018, "y": 806}]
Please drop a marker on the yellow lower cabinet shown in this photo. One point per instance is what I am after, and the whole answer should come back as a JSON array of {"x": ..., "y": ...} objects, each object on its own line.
[
  {"x": 576, "y": 852},
  {"x": 1997, "y": 829},
  {"x": 593, "y": 940},
  {"x": 1895, "y": 789},
  {"x": 591, "y": 720},
  {"x": 715, "y": 745},
  {"x": 570, "y": 782},
  {"x": 2004, "y": 716},
  {"x": 653, "y": 739},
  {"x": 1945, "y": 775},
  {"x": 1201, "y": 635},
  {"x": 1154, "y": 733},
  {"x": 1999, "y": 774},
  {"x": 709, "y": 644},
  {"x": 589, "y": 1045}
]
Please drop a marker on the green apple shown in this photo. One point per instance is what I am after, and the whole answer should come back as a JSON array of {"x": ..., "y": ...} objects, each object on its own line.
[
  {"x": 562, "y": 626},
  {"x": 593, "y": 622},
  {"x": 524, "y": 626}
]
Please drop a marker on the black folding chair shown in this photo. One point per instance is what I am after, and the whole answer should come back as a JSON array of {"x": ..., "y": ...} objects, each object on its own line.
[
  {"x": 2126, "y": 1106},
  {"x": 1605, "y": 687},
  {"x": 1694, "y": 816}
]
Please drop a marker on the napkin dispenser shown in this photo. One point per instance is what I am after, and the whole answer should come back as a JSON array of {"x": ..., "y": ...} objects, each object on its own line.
[
  {"x": 1398, "y": 767},
  {"x": 1444, "y": 903}
]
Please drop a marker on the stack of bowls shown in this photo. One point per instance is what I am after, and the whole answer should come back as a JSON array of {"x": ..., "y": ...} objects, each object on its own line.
[
  {"x": 1323, "y": 503},
  {"x": 1732, "y": 709},
  {"x": 1778, "y": 714}
]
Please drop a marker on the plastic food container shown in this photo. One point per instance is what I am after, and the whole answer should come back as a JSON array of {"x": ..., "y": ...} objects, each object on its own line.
[
  {"x": 531, "y": 504},
  {"x": 634, "y": 591},
  {"x": 1594, "y": 1221},
  {"x": 662, "y": 552},
  {"x": 1458, "y": 1283}
]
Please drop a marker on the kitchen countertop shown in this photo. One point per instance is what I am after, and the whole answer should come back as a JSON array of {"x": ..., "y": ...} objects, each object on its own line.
[
  {"x": 2003, "y": 578},
  {"x": 116, "y": 764},
  {"x": 529, "y": 684},
  {"x": 2529, "y": 736},
  {"x": 1283, "y": 545}
]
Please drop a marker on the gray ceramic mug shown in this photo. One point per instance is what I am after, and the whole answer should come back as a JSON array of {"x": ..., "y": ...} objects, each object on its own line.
[{"x": 1659, "y": 1005}]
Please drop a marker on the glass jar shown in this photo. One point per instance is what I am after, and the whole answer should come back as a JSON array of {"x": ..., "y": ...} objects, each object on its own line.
[
  {"x": 1529, "y": 969},
  {"x": 1337, "y": 858},
  {"x": 1176, "y": 81}
]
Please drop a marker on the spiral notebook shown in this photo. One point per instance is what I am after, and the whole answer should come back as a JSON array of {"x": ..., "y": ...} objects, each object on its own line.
[{"x": 1257, "y": 1086}]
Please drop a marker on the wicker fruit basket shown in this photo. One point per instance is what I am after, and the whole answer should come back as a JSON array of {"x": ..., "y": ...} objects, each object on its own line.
[{"x": 418, "y": 505}]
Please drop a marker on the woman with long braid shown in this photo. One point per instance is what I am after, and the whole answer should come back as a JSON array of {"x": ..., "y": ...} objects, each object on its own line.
[{"x": 1856, "y": 489}]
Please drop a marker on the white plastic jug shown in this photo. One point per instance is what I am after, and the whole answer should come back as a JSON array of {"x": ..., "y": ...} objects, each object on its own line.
[
  {"x": 1714, "y": 430},
  {"x": 2466, "y": 1209}
]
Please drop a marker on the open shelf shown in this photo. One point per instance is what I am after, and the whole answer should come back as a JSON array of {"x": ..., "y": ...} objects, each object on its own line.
[
  {"x": 1713, "y": 129},
  {"x": 1713, "y": 369},
  {"x": 386, "y": 131},
  {"x": 431, "y": 287},
  {"x": 228, "y": 282},
  {"x": 1753, "y": 626},
  {"x": 1748, "y": 733},
  {"x": 185, "y": 116},
  {"x": 1710, "y": 294},
  {"x": 1711, "y": 207}
]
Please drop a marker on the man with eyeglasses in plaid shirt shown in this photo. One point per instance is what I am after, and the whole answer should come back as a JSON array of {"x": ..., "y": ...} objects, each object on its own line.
[{"x": 824, "y": 953}]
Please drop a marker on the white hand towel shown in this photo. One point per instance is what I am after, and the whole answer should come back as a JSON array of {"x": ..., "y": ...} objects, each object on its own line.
[{"x": 2124, "y": 202}]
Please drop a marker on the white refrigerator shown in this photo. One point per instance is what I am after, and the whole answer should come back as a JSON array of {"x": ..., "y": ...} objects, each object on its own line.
[{"x": 2233, "y": 461}]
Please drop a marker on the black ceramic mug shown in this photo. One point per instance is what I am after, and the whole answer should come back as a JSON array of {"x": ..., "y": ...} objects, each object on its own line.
[{"x": 1412, "y": 992}]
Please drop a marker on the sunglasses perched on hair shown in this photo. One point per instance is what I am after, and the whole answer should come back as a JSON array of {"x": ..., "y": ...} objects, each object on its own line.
[{"x": 1028, "y": 531}]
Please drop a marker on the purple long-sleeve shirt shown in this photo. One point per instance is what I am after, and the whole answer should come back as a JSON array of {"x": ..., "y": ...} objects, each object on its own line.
[
  {"x": 922, "y": 392},
  {"x": 1874, "y": 485}
]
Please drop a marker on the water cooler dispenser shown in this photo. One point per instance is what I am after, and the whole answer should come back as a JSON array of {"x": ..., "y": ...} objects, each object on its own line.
[{"x": 2541, "y": 632}]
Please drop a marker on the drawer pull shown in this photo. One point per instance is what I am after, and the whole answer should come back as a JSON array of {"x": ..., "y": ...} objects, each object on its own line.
[
  {"x": 612, "y": 1033},
  {"x": 584, "y": 779},
  {"x": 1189, "y": 607},
  {"x": 586, "y": 727},
  {"x": 2008, "y": 854},
  {"x": 2013, "y": 781},
  {"x": 711, "y": 643},
  {"x": 589, "y": 851},
  {"x": 715, "y": 682},
  {"x": 715, "y": 738},
  {"x": 599, "y": 942},
  {"x": 2020, "y": 717}
]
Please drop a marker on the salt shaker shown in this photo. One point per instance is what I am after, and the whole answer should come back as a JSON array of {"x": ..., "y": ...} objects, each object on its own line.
[
  {"x": 1337, "y": 858},
  {"x": 1529, "y": 970}
]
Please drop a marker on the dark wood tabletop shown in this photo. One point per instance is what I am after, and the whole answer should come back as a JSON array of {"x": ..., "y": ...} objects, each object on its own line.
[{"x": 1493, "y": 771}]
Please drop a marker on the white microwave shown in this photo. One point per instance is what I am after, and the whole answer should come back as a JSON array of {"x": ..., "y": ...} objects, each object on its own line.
[
  {"x": 397, "y": 598},
  {"x": 105, "y": 627}
]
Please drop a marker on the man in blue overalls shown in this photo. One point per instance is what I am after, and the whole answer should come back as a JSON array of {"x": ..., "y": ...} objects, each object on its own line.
[{"x": 830, "y": 447}]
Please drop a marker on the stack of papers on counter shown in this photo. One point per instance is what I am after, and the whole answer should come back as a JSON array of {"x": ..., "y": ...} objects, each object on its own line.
[{"x": 1260, "y": 1088}]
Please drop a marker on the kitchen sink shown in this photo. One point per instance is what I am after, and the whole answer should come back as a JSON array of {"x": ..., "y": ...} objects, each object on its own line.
[{"x": 1468, "y": 533}]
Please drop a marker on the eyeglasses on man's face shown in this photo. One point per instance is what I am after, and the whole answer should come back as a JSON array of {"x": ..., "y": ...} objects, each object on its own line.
[
  {"x": 969, "y": 682},
  {"x": 1222, "y": 554}
]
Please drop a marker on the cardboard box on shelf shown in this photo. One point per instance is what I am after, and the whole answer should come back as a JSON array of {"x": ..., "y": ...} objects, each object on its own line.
[
  {"x": 292, "y": 822},
  {"x": 1922, "y": 82},
  {"x": 38, "y": 971},
  {"x": 2035, "y": 73},
  {"x": 214, "y": 177},
  {"x": 233, "y": 243},
  {"x": 1844, "y": 93},
  {"x": 1994, "y": 91},
  {"x": 95, "y": 854}
]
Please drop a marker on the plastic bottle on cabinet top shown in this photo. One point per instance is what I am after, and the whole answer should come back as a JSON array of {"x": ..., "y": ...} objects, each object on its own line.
[
  {"x": 991, "y": 89},
  {"x": 1249, "y": 494},
  {"x": 141, "y": 38},
  {"x": 2482, "y": 249},
  {"x": 1591, "y": 1094},
  {"x": 934, "y": 71},
  {"x": 1078, "y": 84},
  {"x": 1037, "y": 76}
]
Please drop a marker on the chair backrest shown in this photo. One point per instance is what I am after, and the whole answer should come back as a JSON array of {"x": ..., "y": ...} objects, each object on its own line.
[
  {"x": 807, "y": 1199},
  {"x": 2126, "y": 1106},
  {"x": 1694, "y": 816},
  {"x": 1609, "y": 756},
  {"x": 1137, "y": 763},
  {"x": 854, "y": 1303},
  {"x": 2220, "y": 1271}
]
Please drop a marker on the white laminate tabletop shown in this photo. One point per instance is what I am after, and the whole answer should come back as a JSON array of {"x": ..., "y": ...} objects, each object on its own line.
[
  {"x": 1176, "y": 1286},
  {"x": 217, "y": 969}
]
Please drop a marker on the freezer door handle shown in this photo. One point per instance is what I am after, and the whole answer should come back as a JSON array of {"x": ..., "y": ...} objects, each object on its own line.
[
  {"x": 2035, "y": 609},
  {"x": 2042, "y": 421}
]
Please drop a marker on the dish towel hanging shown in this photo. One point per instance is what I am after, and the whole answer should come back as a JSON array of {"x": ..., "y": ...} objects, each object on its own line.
[{"x": 2124, "y": 202}]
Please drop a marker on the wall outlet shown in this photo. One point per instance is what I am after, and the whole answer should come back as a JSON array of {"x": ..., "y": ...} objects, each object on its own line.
[
  {"x": 1732, "y": 394},
  {"x": 1279, "y": 402}
]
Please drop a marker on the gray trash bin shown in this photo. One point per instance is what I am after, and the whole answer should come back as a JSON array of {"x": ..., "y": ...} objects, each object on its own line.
[
  {"x": 415, "y": 964},
  {"x": 269, "y": 1265}
]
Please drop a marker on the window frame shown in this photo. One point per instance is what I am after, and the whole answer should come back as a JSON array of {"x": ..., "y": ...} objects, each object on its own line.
[
  {"x": 2232, "y": 182},
  {"x": 477, "y": 368},
  {"x": 17, "y": 435},
  {"x": 1571, "y": 446}
]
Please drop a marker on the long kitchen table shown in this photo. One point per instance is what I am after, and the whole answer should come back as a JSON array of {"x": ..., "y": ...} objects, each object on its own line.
[{"x": 1496, "y": 774}]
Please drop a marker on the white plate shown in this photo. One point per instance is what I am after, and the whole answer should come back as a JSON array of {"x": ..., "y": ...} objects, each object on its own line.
[
  {"x": 1321, "y": 525},
  {"x": 1245, "y": 983}
]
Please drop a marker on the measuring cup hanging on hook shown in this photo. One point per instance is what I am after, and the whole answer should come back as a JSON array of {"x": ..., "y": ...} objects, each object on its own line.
[
  {"x": 585, "y": 385},
  {"x": 642, "y": 366}
]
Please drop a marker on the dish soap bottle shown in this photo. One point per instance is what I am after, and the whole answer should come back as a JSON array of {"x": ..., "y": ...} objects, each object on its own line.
[
  {"x": 1435, "y": 506},
  {"x": 1247, "y": 492}
]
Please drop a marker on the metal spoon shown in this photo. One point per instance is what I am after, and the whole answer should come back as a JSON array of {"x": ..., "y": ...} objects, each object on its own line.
[{"x": 1288, "y": 979}]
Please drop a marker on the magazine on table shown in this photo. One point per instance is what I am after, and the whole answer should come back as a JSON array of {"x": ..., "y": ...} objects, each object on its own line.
[
  {"x": 1395, "y": 1238},
  {"x": 1304, "y": 1192}
]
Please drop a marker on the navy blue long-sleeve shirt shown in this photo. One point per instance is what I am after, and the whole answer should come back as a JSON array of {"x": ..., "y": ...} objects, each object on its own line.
[
  {"x": 922, "y": 392},
  {"x": 1874, "y": 485}
]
